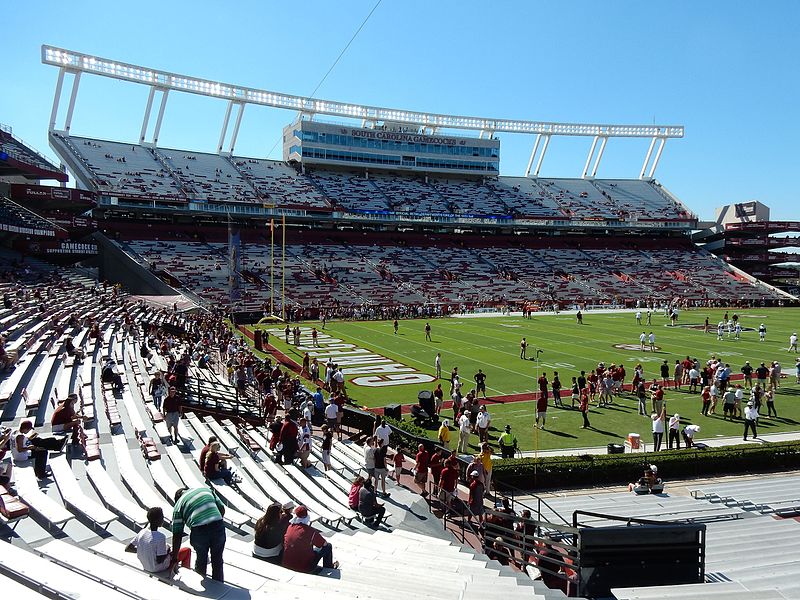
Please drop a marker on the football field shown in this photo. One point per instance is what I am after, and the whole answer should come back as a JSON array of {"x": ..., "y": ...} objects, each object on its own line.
[{"x": 383, "y": 367}]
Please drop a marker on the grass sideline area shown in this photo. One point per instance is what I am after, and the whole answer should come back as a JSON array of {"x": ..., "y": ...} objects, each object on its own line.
[{"x": 491, "y": 343}]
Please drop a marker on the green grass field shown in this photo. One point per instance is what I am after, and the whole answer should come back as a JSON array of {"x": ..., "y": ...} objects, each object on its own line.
[{"x": 492, "y": 344}]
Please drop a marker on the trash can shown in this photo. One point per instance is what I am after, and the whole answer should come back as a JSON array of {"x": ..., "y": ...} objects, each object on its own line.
[
  {"x": 392, "y": 411},
  {"x": 634, "y": 440},
  {"x": 616, "y": 449}
]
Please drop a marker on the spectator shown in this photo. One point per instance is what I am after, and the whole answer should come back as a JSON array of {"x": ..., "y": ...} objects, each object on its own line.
[
  {"x": 674, "y": 431},
  {"x": 750, "y": 420},
  {"x": 27, "y": 444},
  {"x": 352, "y": 497},
  {"x": 150, "y": 546},
  {"x": 444, "y": 434},
  {"x": 483, "y": 420},
  {"x": 369, "y": 457},
  {"x": 215, "y": 466},
  {"x": 382, "y": 432},
  {"x": 6, "y": 467},
  {"x": 368, "y": 505},
  {"x": 304, "y": 443},
  {"x": 304, "y": 546},
  {"x": 172, "y": 412},
  {"x": 421, "y": 468},
  {"x": 463, "y": 433},
  {"x": 270, "y": 531},
  {"x": 330, "y": 415},
  {"x": 498, "y": 551},
  {"x": 380, "y": 467},
  {"x": 476, "y": 492},
  {"x": 398, "y": 460},
  {"x": 448, "y": 482},
  {"x": 658, "y": 428},
  {"x": 287, "y": 439},
  {"x": 201, "y": 511},
  {"x": 327, "y": 446},
  {"x": 66, "y": 419},
  {"x": 72, "y": 350},
  {"x": 486, "y": 459},
  {"x": 158, "y": 389},
  {"x": 109, "y": 374},
  {"x": 688, "y": 434}
]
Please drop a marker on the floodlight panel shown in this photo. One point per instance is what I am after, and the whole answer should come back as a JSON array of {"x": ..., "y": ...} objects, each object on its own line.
[{"x": 78, "y": 62}]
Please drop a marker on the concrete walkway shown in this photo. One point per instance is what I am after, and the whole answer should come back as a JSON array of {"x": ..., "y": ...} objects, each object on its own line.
[{"x": 786, "y": 436}]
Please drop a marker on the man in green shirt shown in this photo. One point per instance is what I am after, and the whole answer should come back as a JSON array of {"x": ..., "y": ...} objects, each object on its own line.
[
  {"x": 508, "y": 443},
  {"x": 201, "y": 511}
]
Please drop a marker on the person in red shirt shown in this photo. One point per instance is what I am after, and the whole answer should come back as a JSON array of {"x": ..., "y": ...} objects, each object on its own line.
[
  {"x": 584, "y": 407},
  {"x": 304, "y": 546},
  {"x": 288, "y": 439},
  {"x": 448, "y": 481},
  {"x": 541, "y": 409},
  {"x": 65, "y": 418},
  {"x": 436, "y": 467},
  {"x": 398, "y": 460},
  {"x": 421, "y": 468}
]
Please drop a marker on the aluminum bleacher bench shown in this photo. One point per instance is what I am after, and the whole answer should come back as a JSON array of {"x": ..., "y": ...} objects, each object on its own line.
[
  {"x": 187, "y": 580},
  {"x": 28, "y": 489},
  {"x": 135, "y": 582},
  {"x": 74, "y": 496},
  {"x": 53, "y": 580},
  {"x": 112, "y": 497},
  {"x": 141, "y": 489},
  {"x": 191, "y": 478}
]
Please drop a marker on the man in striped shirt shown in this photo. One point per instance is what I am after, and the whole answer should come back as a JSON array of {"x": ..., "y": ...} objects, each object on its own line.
[{"x": 201, "y": 511}]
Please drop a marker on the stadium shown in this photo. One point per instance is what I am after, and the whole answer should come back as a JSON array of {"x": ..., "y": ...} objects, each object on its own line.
[{"x": 383, "y": 257}]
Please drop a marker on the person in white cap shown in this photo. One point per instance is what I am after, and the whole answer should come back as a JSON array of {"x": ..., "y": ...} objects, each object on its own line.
[
  {"x": 674, "y": 431},
  {"x": 793, "y": 342},
  {"x": 304, "y": 546},
  {"x": 688, "y": 434},
  {"x": 750, "y": 420}
]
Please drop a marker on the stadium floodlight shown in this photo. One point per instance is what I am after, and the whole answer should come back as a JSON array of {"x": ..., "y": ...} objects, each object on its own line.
[{"x": 76, "y": 62}]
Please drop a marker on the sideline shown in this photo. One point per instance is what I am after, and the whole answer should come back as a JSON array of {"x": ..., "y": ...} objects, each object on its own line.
[{"x": 717, "y": 442}]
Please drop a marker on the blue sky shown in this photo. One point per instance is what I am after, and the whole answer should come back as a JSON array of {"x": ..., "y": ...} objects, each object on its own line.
[{"x": 725, "y": 70}]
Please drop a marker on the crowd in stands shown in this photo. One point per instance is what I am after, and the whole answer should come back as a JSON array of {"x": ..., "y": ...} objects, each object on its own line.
[
  {"x": 124, "y": 169},
  {"x": 361, "y": 279}
]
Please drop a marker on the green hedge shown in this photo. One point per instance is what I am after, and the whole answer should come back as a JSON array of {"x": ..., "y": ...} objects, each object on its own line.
[
  {"x": 587, "y": 470},
  {"x": 408, "y": 434}
]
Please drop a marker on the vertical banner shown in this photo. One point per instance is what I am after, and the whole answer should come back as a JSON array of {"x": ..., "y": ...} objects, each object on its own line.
[{"x": 234, "y": 264}]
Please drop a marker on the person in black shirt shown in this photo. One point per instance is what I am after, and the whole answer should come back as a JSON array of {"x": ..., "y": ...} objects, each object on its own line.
[
  {"x": 480, "y": 383},
  {"x": 747, "y": 371},
  {"x": 762, "y": 373},
  {"x": 665, "y": 373}
]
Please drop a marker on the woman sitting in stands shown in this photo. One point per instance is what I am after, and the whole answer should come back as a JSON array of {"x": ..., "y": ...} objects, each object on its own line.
[
  {"x": 72, "y": 350},
  {"x": 352, "y": 497},
  {"x": 649, "y": 483},
  {"x": 216, "y": 466},
  {"x": 269, "y": 532}
]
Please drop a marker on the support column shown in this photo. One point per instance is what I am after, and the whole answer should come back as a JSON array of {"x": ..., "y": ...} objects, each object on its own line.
[
  {"x": 599, "y": 156},
  {"x": 57, "y": 98},
  {"x": 236, "y": 125},
  {"x": 589, "y": 157},
  {"x": 647, "y": 157},
  {"x": 533, "y": 154},
  {"x": 148, "y": 108},
  {"x": 225, "y": 126},
  {"x": 75, "y": 83},
  {"x": 541, "y": 155},
  {"x": 658, "y": 157},
  {"x": 160, "y": 117}
]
